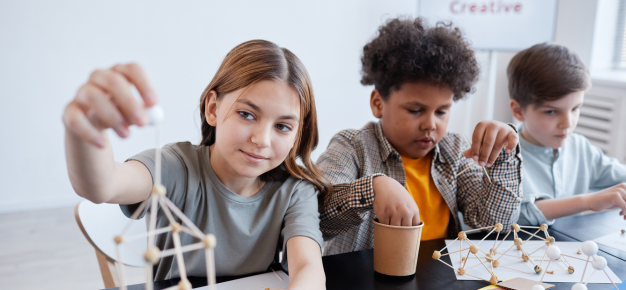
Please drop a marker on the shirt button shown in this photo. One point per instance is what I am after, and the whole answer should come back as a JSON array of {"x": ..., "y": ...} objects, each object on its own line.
[{"x": 547, "y": 151}]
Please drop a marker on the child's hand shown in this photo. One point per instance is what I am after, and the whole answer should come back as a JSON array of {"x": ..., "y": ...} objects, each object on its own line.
[
  {"x": 106, "y": 101},
  {"x": 393, "y": 204},
  {"x": 610, "y": 198},
  {"x": 488, "y": 140}
]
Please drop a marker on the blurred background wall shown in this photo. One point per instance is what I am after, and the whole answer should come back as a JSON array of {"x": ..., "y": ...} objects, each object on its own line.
[{"x": 48, "y": 49}]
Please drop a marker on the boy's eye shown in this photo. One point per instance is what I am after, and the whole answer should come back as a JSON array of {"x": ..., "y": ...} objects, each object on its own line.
[
  {"x": 440, "y": 113},
  {"x": 246, "y": 115},
  {"x": 414, "y": 111},
  {"x": 550, "y": 112},
  {"x": 283, "y": 127}
]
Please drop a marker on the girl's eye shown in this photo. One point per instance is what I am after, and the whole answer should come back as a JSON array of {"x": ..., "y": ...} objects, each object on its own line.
[
  {"x": 246, "y": 115},
  {"x": 283, "y": 127},
  {"x": 575, "y": 109}
]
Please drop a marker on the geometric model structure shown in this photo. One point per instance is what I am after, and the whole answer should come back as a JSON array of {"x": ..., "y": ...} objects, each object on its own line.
[
  {"x": 552, "y": 251},
  {"x": 153, "y": 254},
  {"x": 492, "y": 259}
]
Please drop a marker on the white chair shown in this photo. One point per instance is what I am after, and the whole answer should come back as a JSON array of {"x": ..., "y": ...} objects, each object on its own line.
[{"x": 100, "y": 223}]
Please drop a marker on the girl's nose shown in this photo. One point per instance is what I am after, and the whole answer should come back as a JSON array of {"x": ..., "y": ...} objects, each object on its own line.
[{"x": 261, "y": 136}]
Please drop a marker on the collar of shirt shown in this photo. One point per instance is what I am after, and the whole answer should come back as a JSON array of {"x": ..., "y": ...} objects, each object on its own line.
[
  {"x": 386, "y": 150},
  {"x": 538, "y": 150}
]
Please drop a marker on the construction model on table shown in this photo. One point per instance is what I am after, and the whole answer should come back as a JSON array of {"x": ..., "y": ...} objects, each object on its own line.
[
  {"x": 153, "y": 254},
  {"x": 553, "y": 252}
]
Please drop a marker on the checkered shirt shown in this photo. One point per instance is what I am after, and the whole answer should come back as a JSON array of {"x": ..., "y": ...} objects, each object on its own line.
[{"x": 354, "y": 157}]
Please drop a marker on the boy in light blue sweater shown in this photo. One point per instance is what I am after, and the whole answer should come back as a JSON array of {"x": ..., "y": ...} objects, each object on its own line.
[{"x": 564, "y": 173}]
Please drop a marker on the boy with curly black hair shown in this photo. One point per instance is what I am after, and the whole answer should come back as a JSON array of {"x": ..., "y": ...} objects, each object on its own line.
[{"x": 406, "y": 169}]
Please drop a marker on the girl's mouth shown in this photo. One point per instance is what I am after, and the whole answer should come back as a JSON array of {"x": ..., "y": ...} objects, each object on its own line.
[{"x": 253, "y": 157}]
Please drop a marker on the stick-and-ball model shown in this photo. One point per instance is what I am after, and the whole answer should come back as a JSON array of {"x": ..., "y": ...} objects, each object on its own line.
[{"x": 153, "y": 254}]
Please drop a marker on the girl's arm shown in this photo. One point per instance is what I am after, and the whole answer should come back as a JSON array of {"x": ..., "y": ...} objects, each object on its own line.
[
  {"x": 106, "y": 101},
  {"x": 305, "y": 264}
]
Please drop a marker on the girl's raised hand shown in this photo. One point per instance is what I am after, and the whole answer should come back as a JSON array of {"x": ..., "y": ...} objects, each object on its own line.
[
  {"x": 106, "y": 101},
  {"x": 488, "y": 140}
]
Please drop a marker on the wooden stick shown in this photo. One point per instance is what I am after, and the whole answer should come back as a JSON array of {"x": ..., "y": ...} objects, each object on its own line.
[
  {"x": 575, "y": 258},
  {"x": 565, "y": 261},
  {"x": 501, "y": 241},
  {"x": 157, "y": 155},
  {"x": 529, "y": 259},
  {"x": 469, "y": 241},
  {"x": 544, "y": 256},
  {"x": 461, "y": 253},
  {"x": 179, "y": 256},
  {"x": 182, "y": 217},
  {"x": 209, "y": 256},
  {"x": 449, "y": 244},
  {"x": 594, "y": 271},
  {"x": 484, "y": 170},
  {"x": 478, "y": 229},
  {"x": 537, "y": 250},
  {"x": 442, "y": 261},
  {"x": 149, "y": 279},
  {"x": 133, "y": 217},
  {"x": 166, "y": 210},
  {"x": 184, "y": 249},
  {"x": 281, "y": 279},
  {"x": 530, "y": 227},
  {"x": 514, "y": 270},
  {"x": 466, "y": 258},
  {"x": 485, "y": 237},
  {"x": 581, "y": 278},
  {"x": 190, "y": 232},
  {"x": 134, "y": 249},
  {"x": 496, "y": 240},
  {"x": 607, "y": 275},
  {"x": 120, "y": 269},
  {"x": 463, "y": 171},
  {"x": 546, "y": 270},
  {"x": 154, "y": 208},
  {"x": 146, "y": 234},
  {"x": 453, "y": 252},
  {"x": 481, "y": 261},
  {"x": 505, "y": 252},
  {"x": 532, "y": 235}
]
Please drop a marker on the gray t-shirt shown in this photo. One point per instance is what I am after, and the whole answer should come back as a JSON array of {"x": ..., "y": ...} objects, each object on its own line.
[{"x": 249, "y": 230}]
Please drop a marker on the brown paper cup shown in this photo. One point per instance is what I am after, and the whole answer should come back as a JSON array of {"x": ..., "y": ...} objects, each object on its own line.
[{"x": 396, "y": 249}]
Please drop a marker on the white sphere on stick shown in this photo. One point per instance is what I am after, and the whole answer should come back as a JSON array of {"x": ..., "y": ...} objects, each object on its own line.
[
  {"x": 156, "y": 114},
  {"x": 598, "y": 263},
  {"x": 537, "y": 287},
  {"x": 590, "y": 248},
  {"x": 579, "y": 286},
  {"x": 553, "y": 252}
]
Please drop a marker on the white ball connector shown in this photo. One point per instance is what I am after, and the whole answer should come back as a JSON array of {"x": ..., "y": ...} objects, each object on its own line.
[
  {"x": 553, "y": 252},
  {"x": 579, "y": 286},
  {"x": 537, "y": 287},
  {"x": 590, "y": 248},
  {"x": 598, "y": 263},
  {"x": 156, "y": 114}
]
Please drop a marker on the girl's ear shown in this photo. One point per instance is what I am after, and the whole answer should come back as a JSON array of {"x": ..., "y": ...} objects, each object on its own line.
[
  {"x": 516, "y": 109},
  {"x": 376, "y": 103},
  {"x": 210, "y": 109}
]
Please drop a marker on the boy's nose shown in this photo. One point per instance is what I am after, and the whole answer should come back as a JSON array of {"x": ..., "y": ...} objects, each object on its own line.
[{"x": 428, "y": 124}]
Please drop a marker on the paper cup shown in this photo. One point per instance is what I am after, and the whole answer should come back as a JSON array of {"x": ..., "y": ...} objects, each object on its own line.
[{"x": 396, "y": 249}]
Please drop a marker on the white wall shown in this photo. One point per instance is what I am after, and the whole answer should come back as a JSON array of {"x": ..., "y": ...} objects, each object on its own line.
[{"x": 48, "y": 48}]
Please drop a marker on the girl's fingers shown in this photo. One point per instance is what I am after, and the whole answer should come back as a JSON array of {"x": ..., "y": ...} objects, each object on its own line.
[
  {"x": 77, "y": 122},
  {"x": 487, "y": 144},
  {"x": 118, "y": 87},
  {"x": 138, "y": 77},
  {"x": 512, "y": 140},
  {"x": 109, "y": 115}
]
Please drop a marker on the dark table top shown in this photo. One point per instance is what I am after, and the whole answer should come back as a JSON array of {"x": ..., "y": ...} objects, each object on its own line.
[
  {"x": 592, "y": 226},
  {"x": 356, "y": 271}
]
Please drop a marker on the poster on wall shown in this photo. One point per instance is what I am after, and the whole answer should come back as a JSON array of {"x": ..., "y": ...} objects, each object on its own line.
[{"x": 497, "y": 24}]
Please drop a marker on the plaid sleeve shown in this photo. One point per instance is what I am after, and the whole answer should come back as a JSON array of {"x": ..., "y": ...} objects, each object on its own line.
[
  {"x": 485, "y": 203},
  {"x": 352, "y": 194}
]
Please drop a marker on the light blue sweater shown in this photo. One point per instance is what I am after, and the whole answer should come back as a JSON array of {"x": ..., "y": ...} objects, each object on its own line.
[{"x": 578, "y": 167}]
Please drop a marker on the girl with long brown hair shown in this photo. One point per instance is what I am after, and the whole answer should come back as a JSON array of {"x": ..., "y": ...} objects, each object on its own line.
[{"x": 243, "y": 182}]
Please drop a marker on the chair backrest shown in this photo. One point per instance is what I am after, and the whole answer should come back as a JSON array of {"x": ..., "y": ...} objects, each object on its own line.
[{"x": 100, "y": 223}]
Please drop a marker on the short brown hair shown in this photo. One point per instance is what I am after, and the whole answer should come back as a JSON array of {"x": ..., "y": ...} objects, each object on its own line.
[
  {"x": 257, "y": 60},
  {"x": 408, "y": 50},
  {"x": 546, "y": 72}
]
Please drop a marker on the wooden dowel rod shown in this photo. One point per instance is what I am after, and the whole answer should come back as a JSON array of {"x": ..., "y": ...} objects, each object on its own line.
[
  {"x": 587, "y": 263},
  {"x": 574, "y": 258},
  {"x": 514, "y": 269},
  {"x": 463, "y": 171},
  {"x": 210, "y": 266},
  {"x": 501, "y": 241},
  {"x": 184, "y": 218},
  {"x": 546, "y": 270},
  {"x": 446, "y": 264},
  {"x": 594, "y": 271},
  {"x": 154, "y": 208},
  {"x": 448, "y": 253},
  {"x": 190, "y": 232},
  {"x": 478, "y": 229},
  {"x": 184, "y": 249},
  {"x": 607, "y": 275},
  {"x": 166, "y": 210},
  {"x": 478, "y": 278},
  {"x": 134, "y": 216},
  {"x": 146, "y": 234},
  {"x": 505, "y": 252},
  {"x": 179, "y": 256},
  {"x": 120, "y": 269},
  {"x": 449, "y": 244}
]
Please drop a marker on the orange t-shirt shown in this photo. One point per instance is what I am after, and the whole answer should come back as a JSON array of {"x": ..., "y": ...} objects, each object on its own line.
[{"x": 434, "y": 210}]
